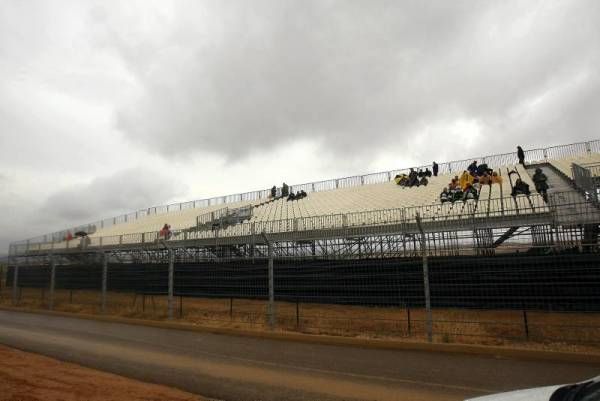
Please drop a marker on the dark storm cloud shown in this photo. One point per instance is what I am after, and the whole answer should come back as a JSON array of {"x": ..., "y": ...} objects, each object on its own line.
[
  {"x": 122, "y": 192},
  {"x": 232, "y": 78}
]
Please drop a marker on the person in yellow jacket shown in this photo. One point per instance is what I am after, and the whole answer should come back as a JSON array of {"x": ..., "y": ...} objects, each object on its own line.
[{"x": 465, "y": 179}]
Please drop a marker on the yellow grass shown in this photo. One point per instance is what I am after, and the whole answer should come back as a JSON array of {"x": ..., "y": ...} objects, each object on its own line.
[{"x": 550, "y": 330}]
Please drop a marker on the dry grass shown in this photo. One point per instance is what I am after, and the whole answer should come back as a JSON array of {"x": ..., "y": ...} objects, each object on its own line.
[{"x": 548, "y": 330}]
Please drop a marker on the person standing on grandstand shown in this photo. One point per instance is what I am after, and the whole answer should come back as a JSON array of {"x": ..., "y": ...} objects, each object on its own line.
[
  {"x": 273, "y": 191},
  {"x": 165, "y": 232},
  {"x": 521, "y": 155},
  {"x": 285, "y": 190},
  {"x": 435, "y": 168},
  {"x": 541, "y": 183}
]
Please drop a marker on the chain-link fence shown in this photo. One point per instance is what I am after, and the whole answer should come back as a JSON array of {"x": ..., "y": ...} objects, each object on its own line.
[{"x": 537, "y": 284}]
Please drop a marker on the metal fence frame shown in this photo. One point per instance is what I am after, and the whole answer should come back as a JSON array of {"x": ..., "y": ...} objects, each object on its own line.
[{"x": 532, "y": 155}]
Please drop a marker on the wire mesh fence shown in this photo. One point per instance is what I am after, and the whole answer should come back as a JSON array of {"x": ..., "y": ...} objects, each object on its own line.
[{"x": 537, "y": 285}]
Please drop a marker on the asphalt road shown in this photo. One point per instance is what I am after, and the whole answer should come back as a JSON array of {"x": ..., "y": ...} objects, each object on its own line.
[{"x": 243, "y": 369}]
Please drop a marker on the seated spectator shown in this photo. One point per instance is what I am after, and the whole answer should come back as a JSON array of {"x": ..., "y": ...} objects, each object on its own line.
[
  {"x": 413, "y": 178},
  {"x": 465, "y": 179},
  {"x": 285, "y": 190},
  {"x": 427, "y": 172},
  {"x": 401, "y": 179},
  {"x": 470, "y": 193},
  {"x": 520, "y": 187},
  {"x": 496, "y": 179},
  {"x": 291, "y": 197},
  {"x": 165, "y": 232},
  {"x": 541, "y": 183},
  {"x": 476, "y": 185},
  {"x": 303, "y": 194},
  {"x": 273, "y": 191},
  {"x": 456, "y": 195},
  {"x": 420, "y": 174},
  {"x": 424, "y": 181},
  {"x": 454, "y": 184},
  {"x": 484, "y": 169},
  {"x": 485, "y": 179},
  {"x": 472, "y": 168},
  {"x": 445, "y": 195}
]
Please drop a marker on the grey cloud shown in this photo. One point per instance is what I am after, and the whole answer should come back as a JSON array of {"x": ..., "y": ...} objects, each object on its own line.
[
  {"x": 358, "y": 75},
  {"x": 122, "y": 192}
]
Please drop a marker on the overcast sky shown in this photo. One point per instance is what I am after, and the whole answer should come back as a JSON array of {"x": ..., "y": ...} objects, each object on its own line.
[{"x": 111, "y": 106}]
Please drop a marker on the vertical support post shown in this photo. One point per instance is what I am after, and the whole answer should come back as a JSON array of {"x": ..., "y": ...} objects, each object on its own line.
[
  {"x": 104, "y": 281},
  {"x": 171, "y": 277},
  {"x": 297, "y": 313},
  {"x": 429, "y": 319},
  {"x": 15, "y": 285},
  {"x": 52, "y": 283},
  {"x": 408, "y": 322},
  {"x": 271, "y": 306},
  {"x": 525, "y": 325},
  {"x": 231, "y": 309}
]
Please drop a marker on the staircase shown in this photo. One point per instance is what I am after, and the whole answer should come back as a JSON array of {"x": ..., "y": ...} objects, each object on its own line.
[{"x": 562, "y": 191}]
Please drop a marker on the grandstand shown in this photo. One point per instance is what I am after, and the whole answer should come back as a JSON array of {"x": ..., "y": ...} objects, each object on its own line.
[
  {"x": 351, "y": 242},
  {"x": 372, "y": 200}
]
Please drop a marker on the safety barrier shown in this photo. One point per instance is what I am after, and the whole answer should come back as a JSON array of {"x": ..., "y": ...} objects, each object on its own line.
[{"x": 532, "y": 155}]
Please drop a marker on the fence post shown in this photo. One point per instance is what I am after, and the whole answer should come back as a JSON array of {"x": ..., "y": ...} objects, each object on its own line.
[
  {"x": 271, "y": 306},
  {"x": 171, "y": 271},
  {"x": 104, "y": 280},
  {"x": 15, "y": 291},
  {"x": 525, "y": 325},
  {"x": 52, "y": 283},
  {"x": 429, "y": 320}
]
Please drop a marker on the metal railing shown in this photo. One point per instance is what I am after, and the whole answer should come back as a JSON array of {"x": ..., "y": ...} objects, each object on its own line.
[
  {"x": 532, "y": 155},
  {"x": 440, "y": 216},
  {"x": 587, "y": 178}
]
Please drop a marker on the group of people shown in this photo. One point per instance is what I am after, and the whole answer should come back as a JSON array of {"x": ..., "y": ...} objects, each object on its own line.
[
  {"x": 286, "y": 193},
  {"x": 299, "y": 195},
  {"x": 540, "y": 180},
  {"x": 468, "y": 185},
  {"x": 414, "y": 178}
]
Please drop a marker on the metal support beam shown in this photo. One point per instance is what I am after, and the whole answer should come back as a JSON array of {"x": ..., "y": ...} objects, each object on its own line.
[
  {"x": 271, "y": 306},
  {"x": 104, "y": 280},
  {"x": 171, "y": 280},
  {"x": 15, "y": 285},
  {"x": 429, "y": 321},
  {"x": 52, "y": 283}
]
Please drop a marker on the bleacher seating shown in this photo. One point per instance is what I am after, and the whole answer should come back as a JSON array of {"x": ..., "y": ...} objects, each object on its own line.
[{"x": 369, "y": 204}]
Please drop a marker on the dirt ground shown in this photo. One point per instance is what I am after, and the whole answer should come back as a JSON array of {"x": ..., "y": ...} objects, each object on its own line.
[
  {"x": 32, "y": 377},
  {"x": 532, "y": 329}
]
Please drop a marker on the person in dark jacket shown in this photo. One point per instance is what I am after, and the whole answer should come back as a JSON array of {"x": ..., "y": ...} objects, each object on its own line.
[
  {"x": 427, "y": 172},
  {"x": 541, "y": 183},
  {"x": 483, "y": 169},
  {"x": 285, "y": 190},
  {"x": 520, "y": 188},
  {"x": 473, "y": 168},
  {"x": 435, "y": 169},
  {"x": 413, "y": 178},
  {"x": 273, "y": 191},
  {"x": 521, "y": 155}
]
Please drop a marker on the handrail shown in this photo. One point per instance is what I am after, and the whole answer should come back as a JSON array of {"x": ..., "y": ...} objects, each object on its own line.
[
  {"x": 446, "y": 216},
  {"x": 552, "y": 152}
]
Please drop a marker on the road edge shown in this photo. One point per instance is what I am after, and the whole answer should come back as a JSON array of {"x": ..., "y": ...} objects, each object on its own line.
[{"x": 471, "y": 349}]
